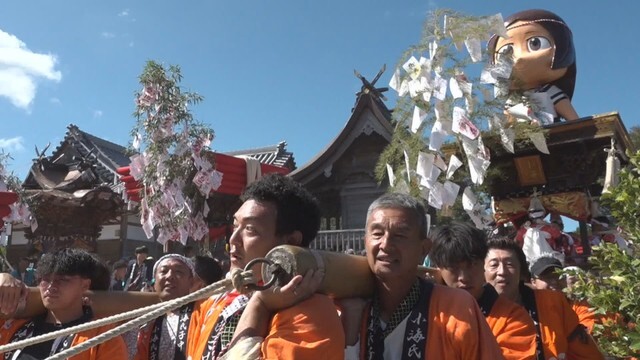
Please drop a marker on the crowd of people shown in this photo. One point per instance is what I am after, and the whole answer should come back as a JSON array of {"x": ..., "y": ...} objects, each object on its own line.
[{"x": 490, "y": 304}]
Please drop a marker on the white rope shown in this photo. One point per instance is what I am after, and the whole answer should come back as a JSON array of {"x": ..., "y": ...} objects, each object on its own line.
[{"x": 238, "y": 280}]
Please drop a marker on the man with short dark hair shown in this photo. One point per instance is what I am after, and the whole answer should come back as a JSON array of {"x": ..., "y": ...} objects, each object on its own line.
[
  {"x": 63, "y": 278},
  {"x": 558, "y": 331},
  {"x": 208, "y": 271},
  {"x": 276, "y": 210},
  {"x": 119, "y": 276},
  {"x": 139, "y": 271},
  {"x": 458, "y": 251}
]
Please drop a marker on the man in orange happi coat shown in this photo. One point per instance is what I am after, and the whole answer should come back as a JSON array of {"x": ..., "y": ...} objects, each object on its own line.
[
  {"x": 545, "y": 276},
  {"x": 559, "y": 334},
  {"x": 458, "y": 251},
  {"x": 168, "y": 336},
  {"x": 63, "y": 278},
  {"x": 409, "y": 317},
  {"x": 276, "y": 211}
]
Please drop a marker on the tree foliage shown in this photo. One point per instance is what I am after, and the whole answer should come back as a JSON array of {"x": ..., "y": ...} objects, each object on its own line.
[
  {"x": 170, "y": 163},
  {"x": 612, "y": 285}
]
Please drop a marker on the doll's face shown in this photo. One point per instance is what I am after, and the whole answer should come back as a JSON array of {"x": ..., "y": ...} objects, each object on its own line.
[{"x": 533, "y": 50}]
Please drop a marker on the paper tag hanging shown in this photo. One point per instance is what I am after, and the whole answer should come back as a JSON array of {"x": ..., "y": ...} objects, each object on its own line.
[
  {"x": 436, "y": 195},
  {"x": 412, "y": 67},
  {"x": 392, "y": 177},
  {"x": 451, "y": 193},
  {"x": 454, "y": 164},
  {"x": 439, "y": 162},
  {"x": 476, "y": 169},
  {"x": 408, "y": 168},
  {"x": 437, "y": 136},
  {"x": 418, "y": 117},
  {"x": 396, "y": 80},
  {"x": 508, "y": 136},
  {"x": 454, "y": 88},
  {"x": 474, "y": 48},
  {"x": 433, "y": 176},
  {"x": 419, "y": 86},
  {"x": 469, "y": 199},
  {"x": 439, "y": 88},
  {"x": 462, "y": 124},
  {"x": 424, "y": 166},
  {"x": 433, "y": 47},
  {"x": 539, "y": 142}
]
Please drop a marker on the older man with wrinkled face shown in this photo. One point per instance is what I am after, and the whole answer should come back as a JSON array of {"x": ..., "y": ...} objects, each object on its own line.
[{"x": 404, "y": 304}]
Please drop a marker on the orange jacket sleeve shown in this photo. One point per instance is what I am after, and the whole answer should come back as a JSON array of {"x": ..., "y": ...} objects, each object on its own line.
[
  {"x": 586, "y": 317},
  {"x": 513, "y": 329},
  {"x": 457, "y": 328},
  {"x": 558, "y": 322},
  {"x": 308, "y": 330},
  {"x": 205, "y": 314},
  {"x": 114, "y": 348}
]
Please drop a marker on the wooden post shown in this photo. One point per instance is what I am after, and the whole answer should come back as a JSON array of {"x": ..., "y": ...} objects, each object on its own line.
[{"x": 584, "y": 237}]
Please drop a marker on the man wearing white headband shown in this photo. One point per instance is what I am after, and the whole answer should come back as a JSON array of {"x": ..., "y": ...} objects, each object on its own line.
[{"x": 166, "y": 337}]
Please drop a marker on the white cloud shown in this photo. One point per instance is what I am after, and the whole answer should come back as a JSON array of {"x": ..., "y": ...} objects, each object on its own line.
[
  {"x": 97, "y": 114},
  {"x": 107, "y": 35},
  {"x": 131, "y": 43},
  {"x": 20, "y": 68},
  {"x": 124, "y": 13},
  {"x": 55, "y": 100},
  {"x": 12, "y": 144}
]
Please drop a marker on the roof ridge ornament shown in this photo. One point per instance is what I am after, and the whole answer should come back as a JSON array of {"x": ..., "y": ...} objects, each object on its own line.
[{"x": 369, "y": 87}]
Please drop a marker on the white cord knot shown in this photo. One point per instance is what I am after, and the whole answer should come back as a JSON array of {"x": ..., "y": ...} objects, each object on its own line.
[{"x": 241, "y": 278}]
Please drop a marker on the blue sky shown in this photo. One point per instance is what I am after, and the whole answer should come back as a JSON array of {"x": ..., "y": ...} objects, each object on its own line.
[{"x": 268, "y": 70}]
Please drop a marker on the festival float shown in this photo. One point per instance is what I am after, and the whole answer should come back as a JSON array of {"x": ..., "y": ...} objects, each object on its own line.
[
  {"x": 499, "y": 128},
  {"x": 72, "y": 194}
]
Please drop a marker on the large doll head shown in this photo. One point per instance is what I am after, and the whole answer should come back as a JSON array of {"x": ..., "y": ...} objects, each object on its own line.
[{"x": 543, "y": 51}]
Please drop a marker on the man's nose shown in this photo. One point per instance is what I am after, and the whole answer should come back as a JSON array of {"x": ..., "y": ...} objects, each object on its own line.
[
  {"x": 385, "y": 241},
  {"x": 236, "y": 237}
]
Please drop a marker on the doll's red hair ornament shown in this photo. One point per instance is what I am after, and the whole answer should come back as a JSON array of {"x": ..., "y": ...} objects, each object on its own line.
[{"x": 544, "y": 68}]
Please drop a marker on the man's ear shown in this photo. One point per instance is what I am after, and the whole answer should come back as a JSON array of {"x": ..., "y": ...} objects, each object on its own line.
[
  {"x": 86, "y": 284},
  {"x": 295, "y": 238}
]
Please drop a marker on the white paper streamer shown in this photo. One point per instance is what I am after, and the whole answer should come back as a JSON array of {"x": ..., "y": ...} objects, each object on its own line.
[
  {"x": 454, "y": 164},
  {"x": 418, "y": 117},
  {"x": 539, "y": 142},
  {"x": 392, "y": 177}
]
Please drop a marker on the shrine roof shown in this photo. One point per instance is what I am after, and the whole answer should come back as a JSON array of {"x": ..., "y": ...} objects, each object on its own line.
[
  {"x": 369, "y": 114},
  {"x": 271, "y": 155}
]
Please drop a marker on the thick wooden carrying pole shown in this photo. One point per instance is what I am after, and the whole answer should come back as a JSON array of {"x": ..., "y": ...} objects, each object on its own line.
[
  {"x": 103, "y": 303},
  {"x": 345, "y": 275}
]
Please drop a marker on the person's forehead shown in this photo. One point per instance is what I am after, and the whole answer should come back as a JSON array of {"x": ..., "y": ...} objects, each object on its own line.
[
  {"x": 501, "y": 254},
  {"x": 172, "y": 262},
  {"x": 398, "y": 216},
  {"x": 255, "y": 210}
]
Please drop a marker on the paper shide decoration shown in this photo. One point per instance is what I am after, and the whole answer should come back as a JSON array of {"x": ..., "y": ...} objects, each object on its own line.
[
  {"x": 19, "y": 210},
  {"x": 451, "y": 94},
  {"x": 170, "y": 161}
]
